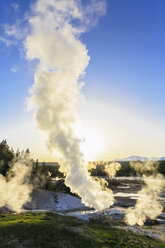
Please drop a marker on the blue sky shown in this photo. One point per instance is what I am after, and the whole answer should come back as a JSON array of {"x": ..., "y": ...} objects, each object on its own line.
[
  {"x": 124, "y": 81},
  {"x": 127, "y": 52}
]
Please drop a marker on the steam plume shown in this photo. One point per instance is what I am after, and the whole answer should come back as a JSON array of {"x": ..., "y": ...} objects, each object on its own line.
[
  {"x": 54, "y": 40},
  {"x": 15, "y": 189},
  {"x": 147, "y": 206},
  {"x": 145, "y": 168},
  {"x": 112, "y": 168}
]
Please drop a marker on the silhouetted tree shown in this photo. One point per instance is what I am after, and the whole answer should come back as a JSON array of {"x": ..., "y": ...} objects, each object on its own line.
[
  {"x": 6, "y": 157},
  {"x": 17, "y": 154}
]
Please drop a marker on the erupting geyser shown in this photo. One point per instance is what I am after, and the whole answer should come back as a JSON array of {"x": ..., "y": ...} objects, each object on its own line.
[{"x": 54, "y": 40}]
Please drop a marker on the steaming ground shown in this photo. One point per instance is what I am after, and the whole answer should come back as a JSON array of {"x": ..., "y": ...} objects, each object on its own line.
[{"x": 126, "y": 194}]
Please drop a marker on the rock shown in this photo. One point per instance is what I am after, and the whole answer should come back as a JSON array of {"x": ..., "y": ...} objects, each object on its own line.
[{"x": 52, "y": 201}]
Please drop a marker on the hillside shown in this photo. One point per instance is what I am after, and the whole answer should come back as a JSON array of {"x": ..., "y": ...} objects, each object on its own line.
[{"x": 46, "y": 229}]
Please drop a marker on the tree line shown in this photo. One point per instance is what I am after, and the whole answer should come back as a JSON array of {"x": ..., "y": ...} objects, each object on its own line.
[
  {"x": 43, "y": 176},
  {"x": 126, "y": 169},
  {"x": 40, "y": 176}
]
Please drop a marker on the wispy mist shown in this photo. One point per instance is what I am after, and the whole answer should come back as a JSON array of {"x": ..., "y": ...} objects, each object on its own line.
[
  {"x": 148, "y": 205},
  {"x": 15, "y": 189}
]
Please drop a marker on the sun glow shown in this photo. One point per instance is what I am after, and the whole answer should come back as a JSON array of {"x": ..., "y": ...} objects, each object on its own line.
[{"x": 92, "y": 143}]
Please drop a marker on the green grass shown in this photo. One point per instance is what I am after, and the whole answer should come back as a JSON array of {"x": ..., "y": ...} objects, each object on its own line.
[{"x": 50, "y": 230}]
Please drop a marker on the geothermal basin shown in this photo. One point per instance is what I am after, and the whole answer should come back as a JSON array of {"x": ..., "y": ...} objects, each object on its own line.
[{"x": 125, "y": 194}]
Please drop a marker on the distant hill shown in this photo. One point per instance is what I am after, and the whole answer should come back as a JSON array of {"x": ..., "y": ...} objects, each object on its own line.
[{"x": 139, "y": 158}]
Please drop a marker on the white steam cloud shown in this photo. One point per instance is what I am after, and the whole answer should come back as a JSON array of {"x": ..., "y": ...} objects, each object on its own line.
[
  {"x": 112, "y": 168},
  {"x": 16, "y": 188},
  {"x": 148, "y": 205},
  {"x": 62, "y": 58}
]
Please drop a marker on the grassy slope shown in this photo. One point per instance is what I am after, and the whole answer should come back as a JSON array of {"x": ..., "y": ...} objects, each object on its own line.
[{"x": 50, "y": 230}]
